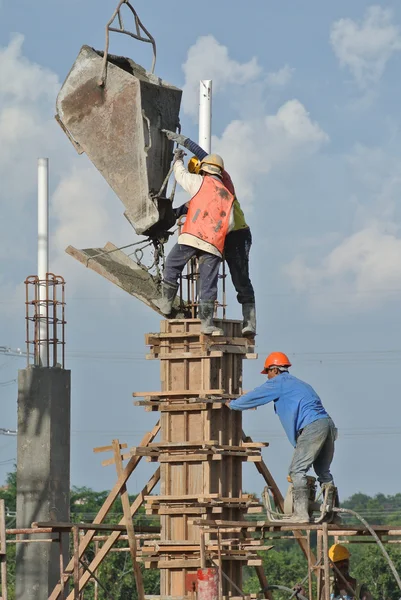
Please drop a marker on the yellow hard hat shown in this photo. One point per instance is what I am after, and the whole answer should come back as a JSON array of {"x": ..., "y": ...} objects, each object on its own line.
[
  {"x": 213, "y": 164},
  {"x": 193, "y": 165},
  {"x": 338, "y": 552}
]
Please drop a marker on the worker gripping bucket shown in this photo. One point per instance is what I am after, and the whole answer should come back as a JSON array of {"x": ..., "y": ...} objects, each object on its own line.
[{"x": 114, "y": 110}]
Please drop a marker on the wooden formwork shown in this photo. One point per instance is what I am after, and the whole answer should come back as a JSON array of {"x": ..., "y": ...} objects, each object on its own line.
[{"x": 200, "y": 452}]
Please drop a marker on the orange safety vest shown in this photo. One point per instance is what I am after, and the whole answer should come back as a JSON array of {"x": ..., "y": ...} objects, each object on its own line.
[{"x": 209, "y": 213}]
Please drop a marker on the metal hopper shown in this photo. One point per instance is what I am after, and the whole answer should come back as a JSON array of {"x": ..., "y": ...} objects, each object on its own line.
[
  {"x": 112, "y": 109},
  {"x": 118, "y": 126}
]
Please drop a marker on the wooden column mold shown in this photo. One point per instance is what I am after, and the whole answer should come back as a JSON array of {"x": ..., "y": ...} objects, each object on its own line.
[{"x": 200, "y": 452}]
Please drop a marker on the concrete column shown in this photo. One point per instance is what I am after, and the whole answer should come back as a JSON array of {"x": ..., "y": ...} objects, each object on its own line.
[{"x": 43, "y": 473}]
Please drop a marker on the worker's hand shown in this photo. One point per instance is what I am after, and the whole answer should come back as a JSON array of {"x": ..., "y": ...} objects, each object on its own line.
[
  {"x": 178, "y": 155},
  {"x": 227, "y": 403},
  {"x": 175, "y": 137},
  {"x": 299, "y": 589}
]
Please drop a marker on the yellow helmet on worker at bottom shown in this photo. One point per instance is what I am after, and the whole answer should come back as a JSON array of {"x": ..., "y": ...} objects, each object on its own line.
[
  {"x": 213, "y": 164},
  {"x": 338, "y": 552},
  {"x": 193, "y": 165}
]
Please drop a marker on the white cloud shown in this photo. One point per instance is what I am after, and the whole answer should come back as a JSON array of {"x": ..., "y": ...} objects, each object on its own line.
[
  {"x": 207, "y": 59},
  {"x": 365, "y": 47},
  {"x": 254, "y": 145},
  {"x": 30, "y": 82},
  {"x": 363, "y": 267},
  {"x": 253, "y": 148},
  {"x": 83, "y": 208},
  {"x": 281, "y": 77}
]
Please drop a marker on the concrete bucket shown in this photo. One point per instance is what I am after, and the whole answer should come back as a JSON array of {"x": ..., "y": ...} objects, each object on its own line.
[{"x": 118, "y": 125}]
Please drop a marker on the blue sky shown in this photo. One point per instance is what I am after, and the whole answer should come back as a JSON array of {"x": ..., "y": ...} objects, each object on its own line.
[{"x": 306, "y": 114}]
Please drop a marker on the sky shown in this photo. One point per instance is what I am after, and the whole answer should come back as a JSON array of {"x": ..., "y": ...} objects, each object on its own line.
[{"x": 306, "y": 113}]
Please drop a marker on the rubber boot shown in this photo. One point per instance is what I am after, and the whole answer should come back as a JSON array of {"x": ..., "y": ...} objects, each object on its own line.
[
  {"x": 205, "y": 313},
  {"x": 301, "y": 507},
  {"x": 249, "y": 323},
  {"x": 169, "y": 292},
  {"x": 332, "y": 500}
]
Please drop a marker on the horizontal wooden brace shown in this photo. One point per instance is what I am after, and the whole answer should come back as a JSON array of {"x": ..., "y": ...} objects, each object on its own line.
[
  {"x": 171, "y": 394},
  {"x": 158, "y": 510},
  {"x": 108, "y": 448},
  {"x": 181, "y": 458},
  {"x": 182, "y": 498},
  {"x": 185, "y": 444},
  {"x": 188, "y": 510},
  {"x": 254, "y": 458},
  {"x": 185, "y": 355},
  {"x": 194, "y": 563}
]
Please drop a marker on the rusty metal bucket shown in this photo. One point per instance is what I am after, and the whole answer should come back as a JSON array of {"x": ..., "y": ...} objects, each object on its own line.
[{"x": 118, "y": 125}]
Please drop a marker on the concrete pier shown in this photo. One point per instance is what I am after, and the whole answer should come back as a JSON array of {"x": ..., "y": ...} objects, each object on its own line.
[{"x": 43, "y": 473}]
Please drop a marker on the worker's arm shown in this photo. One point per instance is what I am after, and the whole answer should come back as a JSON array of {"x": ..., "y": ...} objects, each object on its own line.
[
  {"x": 181, "y": 210},
  {"x": 268, "y": 392},
  {"x": 186, "y": 142},
  {"x": 190, "y": 182}
]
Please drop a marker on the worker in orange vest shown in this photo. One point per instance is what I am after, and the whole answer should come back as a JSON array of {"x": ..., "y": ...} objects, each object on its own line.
[
  {"x": 210, "y": 218},
  {"x": 238, "y": 242}
]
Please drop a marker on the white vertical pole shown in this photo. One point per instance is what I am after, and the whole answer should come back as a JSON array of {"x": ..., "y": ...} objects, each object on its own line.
[
  {"x": 205, "y": 115},
  {"x": 43, "y": 251}
]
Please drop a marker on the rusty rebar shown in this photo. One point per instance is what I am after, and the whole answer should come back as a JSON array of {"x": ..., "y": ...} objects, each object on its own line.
[{"x": 45, "y": 311}]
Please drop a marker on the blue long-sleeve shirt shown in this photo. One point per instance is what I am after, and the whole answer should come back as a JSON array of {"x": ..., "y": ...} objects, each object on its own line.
[
  {"x": 295, "y": 402},
  {"x": 195, "y": 149}
]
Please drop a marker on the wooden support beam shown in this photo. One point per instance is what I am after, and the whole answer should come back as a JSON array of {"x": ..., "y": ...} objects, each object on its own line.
[
  {"x": 128, "y": 522},
  {"x": 263, "y": 581},
  {"x": 3, "y": 551},
  {"x": 103, "y": 512},
  {"x": 104, "y": 550},
  {"x": 108, "y": 448},
  {"x": 174, "y": 393}
]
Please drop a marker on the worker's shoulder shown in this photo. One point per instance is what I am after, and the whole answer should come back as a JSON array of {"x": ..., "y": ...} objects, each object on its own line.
[{"x": 291, "y": 381}]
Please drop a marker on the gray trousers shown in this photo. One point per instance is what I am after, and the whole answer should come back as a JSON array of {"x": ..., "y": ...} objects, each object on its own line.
[
  {"x": 315, "y": 447},
  {"x": 209, "y": 265}
]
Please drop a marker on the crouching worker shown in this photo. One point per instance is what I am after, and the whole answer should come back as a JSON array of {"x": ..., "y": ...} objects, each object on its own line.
[
  {"x": 209, "y": 219},
  {"x": 342, "y": 584}
]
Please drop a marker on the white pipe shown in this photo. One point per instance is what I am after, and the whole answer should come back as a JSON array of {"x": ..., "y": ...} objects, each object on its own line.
[
  {"x": 205, "y": 115},
  {"x": 43, "y": 252}
]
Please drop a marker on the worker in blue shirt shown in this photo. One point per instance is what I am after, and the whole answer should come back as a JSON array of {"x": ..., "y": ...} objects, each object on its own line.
[{"x": 306, "y": 423}]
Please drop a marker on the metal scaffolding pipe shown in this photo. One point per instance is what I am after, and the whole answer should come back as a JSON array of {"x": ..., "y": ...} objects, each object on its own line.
[
  {"x": 205, "y": 115},
  {"x": 43, "y": 255}
]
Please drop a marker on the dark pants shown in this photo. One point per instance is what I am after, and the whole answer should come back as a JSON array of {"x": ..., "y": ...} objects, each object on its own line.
[
  {"x": 236, "y": 253},
  {"x": 209, "y": 265}
]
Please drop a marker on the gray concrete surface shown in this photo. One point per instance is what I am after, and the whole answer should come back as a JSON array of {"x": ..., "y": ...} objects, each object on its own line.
[
  {"x": 43, "y": 473},
  {"x": 119, "y": 128}
]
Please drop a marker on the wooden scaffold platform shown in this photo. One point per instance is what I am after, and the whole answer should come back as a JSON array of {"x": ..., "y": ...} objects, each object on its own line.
[{"x": 200, "y": 452}]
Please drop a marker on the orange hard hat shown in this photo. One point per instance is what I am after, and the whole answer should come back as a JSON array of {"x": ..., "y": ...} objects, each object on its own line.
[{"x": 276, "y": 359}]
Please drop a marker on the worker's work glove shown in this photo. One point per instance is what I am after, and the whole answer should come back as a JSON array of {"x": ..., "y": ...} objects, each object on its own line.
[
  {"x": 178, "y": 155},
  {"x": 180, "y": 211},
  {"x": 299, "y": 589},
  {"x": 175, "y": 137}
]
